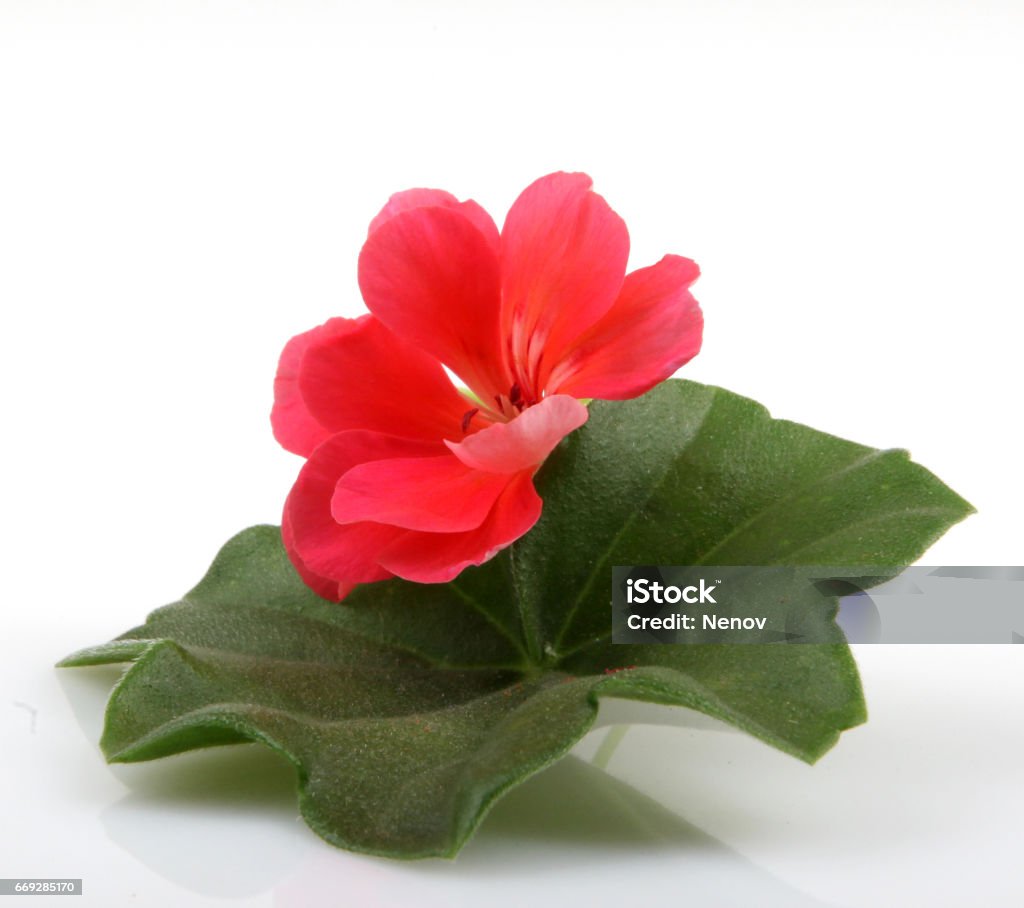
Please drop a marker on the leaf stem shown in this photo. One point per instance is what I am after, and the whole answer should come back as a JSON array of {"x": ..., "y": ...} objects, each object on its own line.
[
  {"x": 534, "y": 647},
  {"x": 609, "y": 745}
]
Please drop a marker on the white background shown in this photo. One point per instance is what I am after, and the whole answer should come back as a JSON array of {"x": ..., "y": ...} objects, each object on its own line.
[{"x": 184, "y": 186}]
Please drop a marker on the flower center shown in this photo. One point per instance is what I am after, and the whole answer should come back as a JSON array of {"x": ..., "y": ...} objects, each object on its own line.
[
  {"x": 512, "y": 404},
  {"x": 506, "y": 407}
]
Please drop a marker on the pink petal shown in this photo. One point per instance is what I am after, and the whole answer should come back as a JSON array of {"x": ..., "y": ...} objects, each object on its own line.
[
  {"x": 563, "y": 259},
  {"x": 524, "y": 442},
  {"x": 366, "y": 378},
  {"x": 438, "y": 198},
  {"x": 439, "y": 557},
  {"x": 431, "y": 276},
  {"x": 295, "y": 428},
  {"x": 322, "y": 586},
  {"x": 437, "y": 494},
  {"x": 409, "y": 199},
  {"x": 654, "y": 327},
  {"x": 318, "y": 546}
]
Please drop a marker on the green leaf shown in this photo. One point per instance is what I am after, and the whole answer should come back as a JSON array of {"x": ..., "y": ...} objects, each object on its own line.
[
  {"x": 691, "y": 474},
  {"x": 408, "y": 709}
]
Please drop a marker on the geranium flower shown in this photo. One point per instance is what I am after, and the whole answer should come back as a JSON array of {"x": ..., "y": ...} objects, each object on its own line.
[{"x": 408, "y": 475}]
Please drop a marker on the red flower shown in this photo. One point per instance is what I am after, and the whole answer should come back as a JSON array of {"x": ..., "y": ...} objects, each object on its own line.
[{"x": 408, "y": 476}]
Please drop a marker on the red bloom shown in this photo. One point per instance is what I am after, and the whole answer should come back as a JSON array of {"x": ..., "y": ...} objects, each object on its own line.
[{"x": 407, "y": 475}]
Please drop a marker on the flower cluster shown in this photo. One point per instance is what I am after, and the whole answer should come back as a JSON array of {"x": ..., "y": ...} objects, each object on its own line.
[{"x": 410, "y": 474}]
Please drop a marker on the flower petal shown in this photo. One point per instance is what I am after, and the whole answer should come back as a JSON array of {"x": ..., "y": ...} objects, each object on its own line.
[
  {"x": 524, "y": 442},
  {"x": 318, "y": 546},
  {"x": 563, "y": 258},
  {"x": 366, "y": 378},
  {"x": 439, "y": 557},
  {"x": 438, "y": 198},
  {"x": 654, "y": 327},
  {"x": 437, "y": 494},
  {"x": 295, "y": 428},
  {"x": 322, "y": 586},
  {"x": 431, "y": 276}
]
